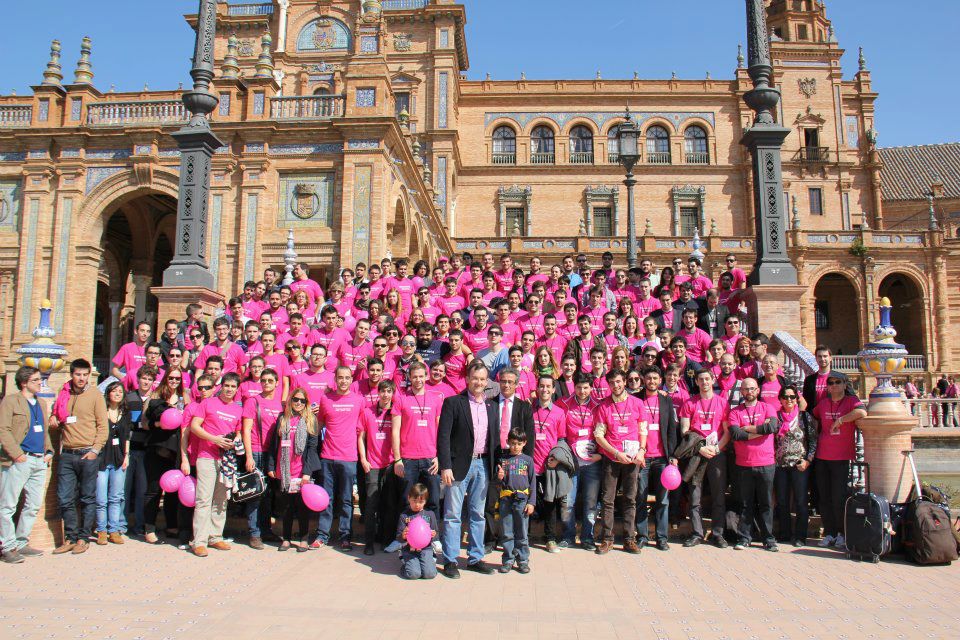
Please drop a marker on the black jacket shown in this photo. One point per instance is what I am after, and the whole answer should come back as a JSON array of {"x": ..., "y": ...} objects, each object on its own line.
[
  {"x": 809, "y": 391},
  {"x": 669, "y": 425},
  {"x": 157, "y": 437},
  {"x": 721, "y": 317},
  {"x": 455, "y": 436}
]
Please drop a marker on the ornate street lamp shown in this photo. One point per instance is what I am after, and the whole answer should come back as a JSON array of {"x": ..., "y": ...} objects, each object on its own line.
[{"x": 628, "y": 135}]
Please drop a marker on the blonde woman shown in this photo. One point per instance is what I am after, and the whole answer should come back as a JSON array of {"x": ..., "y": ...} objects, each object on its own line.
[{"x": 292, "y": 458}]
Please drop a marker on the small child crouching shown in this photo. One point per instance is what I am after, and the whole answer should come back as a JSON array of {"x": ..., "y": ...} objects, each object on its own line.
[
  {"x": 518, "y": 495},
  {"x": 417, "y": 563}
]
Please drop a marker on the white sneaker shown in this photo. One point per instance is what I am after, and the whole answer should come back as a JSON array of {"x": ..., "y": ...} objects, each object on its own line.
[
  {"x": 827, "y": 541},
  {"x": 840, "y": 543},
  {"x": 437, "y": 547},
  {"x": 393, "y": 547}
]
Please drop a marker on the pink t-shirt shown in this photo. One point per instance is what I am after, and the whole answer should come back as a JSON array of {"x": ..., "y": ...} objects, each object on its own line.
[
  {"x": 644, "y": 308},
  {"x": 219, "y": 418},
  {"x": 548, "y": 426},
  {"x": 451, "y": 304},
  {"x": 504, "y": 279},
  {"x": 279, "y": 363},
  {"x": 698, "y": 341},
  {"x": 557, "y": 345},
  {"x": 419, "y": 422},
  {"x": 190, "y": 412},
  {"x": 842, "y": 445},
  {"x": 130, "y": 357},
  {"x": 249, "y": 388},
  {"x": 511, "y": 333},
  {"x": 456, "y": 371},
  {"x": 351, "y": 354},
  {"x": 622, "y": 420},
  {"x": 368, "y": 390},
  {"x": 340, "y": 415},
  {"x": 756, "y": 452},
  {"x": 651, "y": 413},
  {"x": 578, "y": 424},
  {"x": 333, "y": 341},
  {"x": 739, "y": 277},
  {"x": 769, "y": 392},
  {"x": 270, "y": 409},
  {"x": 232, "y": 354},
  {"x": 442, "y": 388},
  {"x": 378, "y": 426},
  {"x": 314, "y": 292},
  {"x": 477, "y": 339},
  {"x": 528, "y": 322},
  {"x": 526, "y": 385},
  {"x": 706, "y": 416},
  {"x": 315, "y": 384},
  {"x": 601, "y": 389},
  {"x": 405, "y": 287}
]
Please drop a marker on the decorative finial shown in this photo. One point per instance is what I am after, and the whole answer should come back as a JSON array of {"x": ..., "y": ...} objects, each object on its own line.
[
  {"x": 708, "y": 75},
  {"x": 832, "y": 36},
  {"x": 932, "y": 223},
  {"x": 43, "y": 353},
  {"x": 697, "y": 244},
  {"x": 264, "y": 64},
  {"x": 113, "y": 88},
  {"x": 673, "y": 75},
  {"x": 598, "y": 75},
  {"x": 861, "y": 61},
  {"x": 523, "y": 76},
  {"x": 179, "y": 86},
  {"x": 416, "y": 147},
  {"x": 648, "y": 228},
  {"x": 795, "y": 222},
  {"x": 371, "y": 8},
  {"x": 289, "y": 259},
  {"x": 883, "y": 357},
  {"x": 231, "y": 70},
  {"x": 427, "y": 174},
  {"x": 713, "y": 226},
  {"x": 84, "y": 73},
  {"x": 739, "y": 56},
  {"x": 13, "y": 92},
  {"x": 636, "y": 75},
  {"x": 583, "y": 227},
  {"x": 53, "y": 75},
  {"x": 488, "y": 76},
  {"x": 146, "y": 87},
  {"x": 403, "y": 117}
]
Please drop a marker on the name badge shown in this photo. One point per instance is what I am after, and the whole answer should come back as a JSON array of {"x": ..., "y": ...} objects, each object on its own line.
[
  {"x": 285, "y": 444},
  {"x": 541, "y": 436},
  {"x": 706, "y": 426},
  {"x": 37, "y": 428},
  {"x": 71, "y": 419},
  {"x": 422, "y": 423},
  {"x": 116, "y": 441},
  {"x": 713, "y": 325},
  {"x": 380, "y": 436},
  {"x": 583, "y": 432},
  {"x": 653, "y": 426},
  {"x": 622, "y": 429}
]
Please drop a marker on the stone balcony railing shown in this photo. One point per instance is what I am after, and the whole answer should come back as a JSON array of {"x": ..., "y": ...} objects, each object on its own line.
[
  {"x": 399, "y": 5},
  {"x": 252, "y": 9},
  {"x": 136, "y": 112},
  {"x": 848, "y": 364},
  {"x": 15, "y": 115},
  {"x": 306, "y": 107}
]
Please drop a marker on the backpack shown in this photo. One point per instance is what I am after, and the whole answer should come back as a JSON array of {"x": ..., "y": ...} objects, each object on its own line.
[{"x": 928, "y": 534}]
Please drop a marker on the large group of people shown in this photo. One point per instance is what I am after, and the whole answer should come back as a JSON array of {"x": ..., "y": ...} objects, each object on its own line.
[{"x": 475, "y": 396}]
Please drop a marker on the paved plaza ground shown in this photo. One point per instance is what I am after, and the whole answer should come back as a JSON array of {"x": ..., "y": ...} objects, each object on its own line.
[{"x": 136, "y": 591}]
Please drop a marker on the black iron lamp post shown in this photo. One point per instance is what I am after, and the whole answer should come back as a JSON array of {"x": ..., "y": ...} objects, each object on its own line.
[{"x": 628, "y": 135}]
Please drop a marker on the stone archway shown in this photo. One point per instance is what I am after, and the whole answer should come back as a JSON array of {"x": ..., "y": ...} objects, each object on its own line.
[
  {"x": 836, "y": 314},
  {"x": 399, "y": 231},
  {"x": 908, "y": 312}
]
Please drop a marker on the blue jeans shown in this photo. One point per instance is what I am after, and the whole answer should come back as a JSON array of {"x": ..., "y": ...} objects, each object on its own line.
[
  {"x": 586, "y": 484},
  {"x": 473, "y": 487},
  {"x": 515, "y": 524},
  {"x": 110, "y": 500},
  {"x": 418, "y": 470},
  {"x": 135, "y": 488},
  {"x": 25, "y": 478},
  {"x": 651, "y": 471},
  {"x": 259, "y": 509},
  {"x": 338, "y": 479},
  {"x": 77, "y": 477},
  {"x": 418, "y": 564}
]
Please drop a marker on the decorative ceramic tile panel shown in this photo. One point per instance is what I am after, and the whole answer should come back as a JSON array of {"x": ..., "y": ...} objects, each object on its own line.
[
  {"x": 442, "y": 91},
  {"x": 600, "y": 118},
  {"x": 10, "y": 195},
  {"x": 362, "y": 188},
  {"x": 62, "y": 263},
  {"x": 306, "y": 200},
  {"x": 96, "y": 175},
  {"x": 366, "y": 97}
]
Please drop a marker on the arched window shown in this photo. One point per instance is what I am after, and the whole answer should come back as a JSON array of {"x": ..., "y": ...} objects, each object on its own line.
[
  {"x": 504, "y": 145},
  {"x": 695, "y": 145},
  {"x": 541, "y": 146},
  {"x": 658, "y": 145},
  {"x": 581, "y": 145},
  {"x": 613, "y": 145},
  {"x": 322, "y": 91}
]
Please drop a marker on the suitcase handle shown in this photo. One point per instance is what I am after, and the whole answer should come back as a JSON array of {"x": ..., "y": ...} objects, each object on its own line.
[
  {"x": 861, "y": 465},
  {"x": 916, "y": 478}
]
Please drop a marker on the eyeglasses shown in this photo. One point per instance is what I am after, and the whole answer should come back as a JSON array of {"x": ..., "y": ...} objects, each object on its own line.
[
  {"x": 834, "y": 383},
  {"x": 379, "y": 346},
  {"x": 408, "y": 343},
  {"x": 649, "y": 355},
  {"x": 175, "y": 378},
  {"x": 298, "y": 401},
  {"x": 733, "y": 322},
  {"x": 196, "y": 336},
  {"x": 678, "y": 263},
  {"x": 731, "y": 260},
  {"x": 205, "y": 387}
]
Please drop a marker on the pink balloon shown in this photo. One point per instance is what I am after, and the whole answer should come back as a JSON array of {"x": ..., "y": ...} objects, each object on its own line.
[
  {"x": 188, "y": 491},
  {"x": 418, "y": 533},
  {"x": 670, "y": 477},
  {"x": 171, "y": 419},
  {"x": 171, "y": 480},
  {"x": 315, "y": 497}
]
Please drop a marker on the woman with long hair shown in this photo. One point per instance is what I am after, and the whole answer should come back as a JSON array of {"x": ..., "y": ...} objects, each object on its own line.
[
  {"x": 393, "y": 305},
  {"x": 111, "y": 522},
  {"x": 413, "y": 321},
  {"x": 161, "y": 454},
  {"x": 304, "y": 307},
  {"x": 741, "y": 351},
  {"x": 667, "y": 281},
  {"x": 631, "y": 331},
  {"x": 292, "y": 458},
  {"x": 624, "y": 310},
  {"x": 620, "y": 360},
  {"x": 176, "y": 360},
  {"x": 545, "y": 364}
]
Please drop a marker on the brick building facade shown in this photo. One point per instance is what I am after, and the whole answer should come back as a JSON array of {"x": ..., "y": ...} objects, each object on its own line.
[{"x": 353, "y": 124}]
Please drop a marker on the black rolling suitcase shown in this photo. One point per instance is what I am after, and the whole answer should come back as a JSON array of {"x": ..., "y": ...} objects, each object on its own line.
[{"x": 866, "y": 523}]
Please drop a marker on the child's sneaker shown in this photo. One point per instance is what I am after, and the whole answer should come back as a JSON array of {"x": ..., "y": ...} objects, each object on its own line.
[
  {"x": 437, "y": 547},
  {"x": 552, "y": 547},
  {"x": 523, "y": 567}
]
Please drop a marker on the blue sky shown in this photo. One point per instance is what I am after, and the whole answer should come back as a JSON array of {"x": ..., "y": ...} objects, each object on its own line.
[{"x": 908, "y": 46}]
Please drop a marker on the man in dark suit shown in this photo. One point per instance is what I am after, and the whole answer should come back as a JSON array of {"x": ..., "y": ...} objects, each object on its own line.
[
  {"x": 511, "y": 411},
  {"x": 663, "y": 436},
  {"x": 711, "y": 315},
  {"x": 468, "y": 444},
  {"x": 666, "y": 316}
]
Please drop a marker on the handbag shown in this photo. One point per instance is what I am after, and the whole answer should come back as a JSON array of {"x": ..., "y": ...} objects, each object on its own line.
[{"x": 248, "y": 486}]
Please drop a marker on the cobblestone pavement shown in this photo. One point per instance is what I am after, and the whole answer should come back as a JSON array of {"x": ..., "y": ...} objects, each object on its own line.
[{"x": 154, "y": 592}]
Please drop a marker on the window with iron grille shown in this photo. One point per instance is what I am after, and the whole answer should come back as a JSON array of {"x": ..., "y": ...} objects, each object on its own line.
[
  {"x": 516, "y": 221},
  {"x": 816, "y": 201},
  {"x": 821, "y": 314},
  {"x": 602, "y": 221},
  {"x": 401, "y": 102},
  {"x": 689, "y": 220}
]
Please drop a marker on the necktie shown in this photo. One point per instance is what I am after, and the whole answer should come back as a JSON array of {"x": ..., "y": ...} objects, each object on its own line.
[{"x": 504, "y": 424}]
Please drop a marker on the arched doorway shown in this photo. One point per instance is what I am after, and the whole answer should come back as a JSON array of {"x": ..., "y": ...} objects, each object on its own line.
[
  {"x": 907, "y": 314},
  {"x": 836, "y": 314},
  {"x": 398, "y": 232},
  {"x": 136, "y": 251}
]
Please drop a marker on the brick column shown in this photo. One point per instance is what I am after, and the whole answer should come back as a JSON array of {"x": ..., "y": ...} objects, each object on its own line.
[{"x": 886, "y": 433}]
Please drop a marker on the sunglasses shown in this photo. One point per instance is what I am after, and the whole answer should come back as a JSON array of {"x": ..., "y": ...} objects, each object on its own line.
[
  {"x": 730, "y": 260},
  {"x": 175, "y": 378},
  {"x": 293, "y": 348},
  {"x": 196, "y": 336},
  {"x": 834, "y": 383},
  {"x": 649, "y": 355},
  {"x": 379, "y": 346},
  {"x": 298, "y": 401},
  {"x": 205, "y": 387},
  {"x": 407, "y": 343},
  {"x": 790, "y": 397}
]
